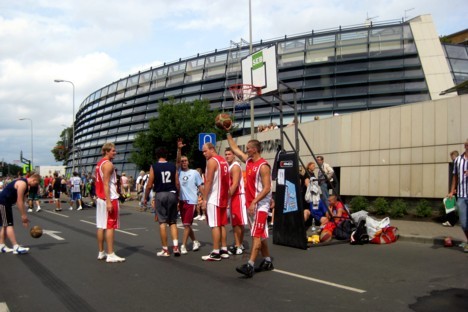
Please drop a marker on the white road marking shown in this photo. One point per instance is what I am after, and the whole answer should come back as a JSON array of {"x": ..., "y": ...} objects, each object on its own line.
[
  {"x": 4, "y": 307},
  {"x": 125, "y": 232},
  {"x": 320, "y": 281},
  {"x": 56, "y": 213},
  {"x": 53, "y": 234}
]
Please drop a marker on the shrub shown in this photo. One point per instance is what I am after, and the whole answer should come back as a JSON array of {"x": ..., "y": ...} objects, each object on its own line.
[
  {"x": 398, "y": 208},
  {"x": 380, "y": 206},
  {"x": 423, "y": 209},
  {"x": 359, "y": 203}
]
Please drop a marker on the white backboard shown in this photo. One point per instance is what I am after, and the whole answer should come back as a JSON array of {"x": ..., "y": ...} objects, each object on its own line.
[{"x": 260, "y": 69}]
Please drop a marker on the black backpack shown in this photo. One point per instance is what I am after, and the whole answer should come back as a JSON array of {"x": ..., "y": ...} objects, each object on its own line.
[
  {"x": 343, "y": 230},
  {"x": 359, "y": 236}
]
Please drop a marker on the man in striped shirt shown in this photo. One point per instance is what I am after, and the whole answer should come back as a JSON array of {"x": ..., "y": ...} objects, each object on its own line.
[{"x": 460, "y": 188}]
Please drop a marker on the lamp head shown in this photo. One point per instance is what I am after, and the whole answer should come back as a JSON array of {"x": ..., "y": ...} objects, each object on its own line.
[{"x": 58, "y": 80}]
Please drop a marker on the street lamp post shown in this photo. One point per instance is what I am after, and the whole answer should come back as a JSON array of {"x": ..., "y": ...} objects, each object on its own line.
[
  {"x": 252, "y": 114},
  {"x": 73, "y": 120},
  {"x": 32, "y": 153}
]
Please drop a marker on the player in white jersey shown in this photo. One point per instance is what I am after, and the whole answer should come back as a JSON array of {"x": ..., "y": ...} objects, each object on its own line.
[{"x": 75, "y": 191}]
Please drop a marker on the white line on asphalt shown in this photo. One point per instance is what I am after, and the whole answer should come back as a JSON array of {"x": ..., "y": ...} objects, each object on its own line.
[
  {"x": 125, "y": 232},
  {"x": 4, "y": 307},
  {"x": 56, "y": 213},
  {"x": 320, "y": 281}
]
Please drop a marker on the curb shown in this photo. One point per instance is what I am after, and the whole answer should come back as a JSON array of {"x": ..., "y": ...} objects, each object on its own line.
[{"x": 437, "y": 241}]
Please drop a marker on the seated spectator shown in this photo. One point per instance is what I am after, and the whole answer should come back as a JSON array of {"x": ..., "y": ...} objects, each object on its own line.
[
  {"x": 316, "y": 215},
  {"x": 335, "y": 215},
  {"x": 260, "y": 128}
]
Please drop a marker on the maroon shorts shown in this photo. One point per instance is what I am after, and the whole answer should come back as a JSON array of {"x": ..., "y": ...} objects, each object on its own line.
[{"x": 186, "y": 212}]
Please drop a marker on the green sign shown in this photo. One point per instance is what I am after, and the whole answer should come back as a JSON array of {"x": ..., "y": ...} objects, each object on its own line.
[{"x": 257, "y": 60}]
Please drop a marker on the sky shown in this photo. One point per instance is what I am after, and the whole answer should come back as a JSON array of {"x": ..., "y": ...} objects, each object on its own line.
[{"x": 93, "y": 43}]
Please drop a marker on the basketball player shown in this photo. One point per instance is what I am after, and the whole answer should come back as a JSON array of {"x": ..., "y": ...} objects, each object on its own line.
[
  {"x": 107, "y": 204},
  {"x": 237, "y": 202},
  {"x": 215, "y": 201},
  {"x": 57, "y": 186},
  {"x": 14, "y": 193},
  {"x": 258, "y": 196},
  {"x": 163, "y": 179}
]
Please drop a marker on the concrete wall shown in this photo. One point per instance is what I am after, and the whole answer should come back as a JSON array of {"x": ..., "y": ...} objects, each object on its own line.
[
  {"x": 401, "y": 151},
  {"x": 433, "y": 61}
]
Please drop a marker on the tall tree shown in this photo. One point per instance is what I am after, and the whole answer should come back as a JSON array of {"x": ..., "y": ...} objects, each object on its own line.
[
  {"x": 176, "y": 120},
  {"x": 62, "y": 148}
]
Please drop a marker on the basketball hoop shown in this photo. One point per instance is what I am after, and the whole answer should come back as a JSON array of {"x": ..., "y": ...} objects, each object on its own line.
[{"x": 242, "y": 94}]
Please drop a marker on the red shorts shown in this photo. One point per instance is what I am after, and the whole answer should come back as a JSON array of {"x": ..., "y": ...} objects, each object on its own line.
[
  {"x": 238, "y": 210},
  {"x": 259, "y": 227},
  {"x": 105, "y": 219},
  {"x": 186, "y": 212}
]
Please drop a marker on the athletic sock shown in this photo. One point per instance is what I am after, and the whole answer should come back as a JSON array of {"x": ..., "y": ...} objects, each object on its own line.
[
  {"x": 175, "y": 242},
  {"x": 15, "y": 246},
  {"x": 268, "y": 259},
  {"x": 251, "y": 262},
  {"x": 216, "y": 251},
  {"x": 224, "y": 248}
]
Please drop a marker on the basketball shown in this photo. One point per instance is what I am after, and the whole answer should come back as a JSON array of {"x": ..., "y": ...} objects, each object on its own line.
[
  {"x": 223, "y": 121},
  {"x": 36, "y": 231}
]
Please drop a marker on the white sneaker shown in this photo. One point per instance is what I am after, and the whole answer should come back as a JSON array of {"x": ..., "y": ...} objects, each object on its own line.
[
  {"x": 202, "y": 218},
  {"x": 71, "y": 208},
  {"x": 197, "y": 218},
  {"x": 183, "y": 250},
  {"x": 38, "y": 209},
  {"x": 20, "y": 250},
  {"x": 114, "y": 258},
  {"x": 80, "y": 208},
  {"x": 196, "y": 245},
  {"x": 102, "y": 255},
  {"x": 5, "y": 249},
  {"x": 30, "y": 210},
  {"x": 163, "y": 253}
]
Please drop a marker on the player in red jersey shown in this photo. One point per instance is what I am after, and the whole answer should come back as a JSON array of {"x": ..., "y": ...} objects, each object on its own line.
[
  {"x": 258, "y": 196},
  {"x": 237, "y": 202},
  {"x": 215, "y": 200},
  {"x": 107, "y": 205}
]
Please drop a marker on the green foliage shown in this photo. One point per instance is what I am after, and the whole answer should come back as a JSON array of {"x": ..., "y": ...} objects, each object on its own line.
[
  {"x": 62, "y": 148},
  {"x": 423, "y": 209},
  {"x": 358, "y": 203},
  {"x": 381, "y": 206},
  {"x": 176, "y": 120},
  {"x": 398, "y": 208}
]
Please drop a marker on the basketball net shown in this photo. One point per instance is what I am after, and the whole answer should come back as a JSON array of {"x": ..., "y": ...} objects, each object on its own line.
[{"x": 242, "y": 94}]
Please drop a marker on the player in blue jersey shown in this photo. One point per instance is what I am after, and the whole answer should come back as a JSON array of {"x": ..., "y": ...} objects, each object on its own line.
[{"x": 163, "y": 179}]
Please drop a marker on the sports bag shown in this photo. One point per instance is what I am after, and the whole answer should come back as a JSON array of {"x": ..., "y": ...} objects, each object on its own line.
[
  {"x": 387, "y": 235},
  {"x": 359, "y": 236},
  {"x": 343, "y": 230}
]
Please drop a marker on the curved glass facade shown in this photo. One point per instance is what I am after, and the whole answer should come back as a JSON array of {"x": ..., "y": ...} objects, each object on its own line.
[{"x": 339, "y": 71}]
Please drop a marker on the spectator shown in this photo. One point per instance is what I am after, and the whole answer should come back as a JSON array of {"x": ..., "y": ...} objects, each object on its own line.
[
  {"x": 336, "y": 214},
  {"x": 325, "y": 176}
]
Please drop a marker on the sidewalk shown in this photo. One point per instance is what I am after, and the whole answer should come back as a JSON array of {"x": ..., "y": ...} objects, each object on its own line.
[{"x": 428, "y": 232}]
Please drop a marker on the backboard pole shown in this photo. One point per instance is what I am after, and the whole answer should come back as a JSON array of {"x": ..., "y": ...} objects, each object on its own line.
[{"x": 252, "y": 115}]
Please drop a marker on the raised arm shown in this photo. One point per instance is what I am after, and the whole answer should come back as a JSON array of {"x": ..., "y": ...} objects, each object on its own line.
[{"x": 235, "y": 148}]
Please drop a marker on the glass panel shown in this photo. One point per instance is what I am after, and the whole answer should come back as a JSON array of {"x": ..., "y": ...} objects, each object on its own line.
[
  {"x": 215, "y": 71},
  {"x": 157, "y": 84},
  {"x": 176, "y": 69},
  {"x": 125, "y": 120},
  {"x": 136, "y": 126},
  {"x": 116, "y": 113},
  {"x": 319, "y": 56},
  {"x": 344, "y": 79},
  {"x": 138, "y": 117},
  {"x": 114, "y": 122},
  {"x": 119, "y": 96},
  {"x": 152, "y": 106},
  {"x": 351, "y": 103},
  {"x": 459, "y": 65},
  {"x": 291, "y": 73},
  {"x": 389, "y": 75},
  {"x": 320, "y": 42},
  {"x": 172, "y": 80},
  {"x": 409, "y": 47},
  {"x": 414, "y": 73},
  {"x": 351, "y": 38},
  {"x": 145, "y": 77},
  {"x": 216, "y": 60},
  {"x": 319, "y": 82},
  {"x": 291, "y": 46},
  {"x": 152, "y": 115},
  {"x": 387, "y": 88},
  {"x": 327, "y": 92},
  {"x": 456, "y": 51},
  {"x": 291, "y": 59},
  {"x": 407, "y": 34},
  {"x": 320, "y": 70},
  {"x": 213, "y": 85},
  {"x": 387, "y": 33},
  {"x": 193, "y": 76},
  {"x": 416, "y": 85},
  {"x": 143, "y": 88},
  {"x": 386, "y": 100},
  {"x": 351, "y": 91},
  {"x": 133, "y": 80},
  {"x": 386, "y": 48},
  {"x": 195, "y": 64},
  {"x": 112, "y": 88},
  {"x": 234, "y": 67},
  {"x": 214, "y": 95},
  {"x": 191, "y": 98},
  {"x": 353, "y": 67},
  {"x": 139, "y": 108},
  {"x": 412, "y": 98},
  {"x": 172, "y": 92},
  {"x": 159, "y": 73},
  {"x": 121, "y": 84},
  {"x": 351, "y": 52},
  {"x": 194, "y": 88},
  {"x": 412, "y": 61},
  {"x": 237, "y": 55},
  {"x": 104, "y": 91}
]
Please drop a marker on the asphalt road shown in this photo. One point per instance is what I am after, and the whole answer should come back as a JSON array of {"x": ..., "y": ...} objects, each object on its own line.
[{"x": 61, "y": 273}]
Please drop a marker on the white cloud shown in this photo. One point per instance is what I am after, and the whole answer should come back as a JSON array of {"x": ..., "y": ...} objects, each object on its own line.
[{"x": 96, "y": 42}]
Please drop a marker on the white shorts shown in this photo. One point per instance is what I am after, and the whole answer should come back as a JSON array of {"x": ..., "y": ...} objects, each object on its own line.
[
  {"x": 216, "y": 216},
  {"x": 104, "y": 219}
]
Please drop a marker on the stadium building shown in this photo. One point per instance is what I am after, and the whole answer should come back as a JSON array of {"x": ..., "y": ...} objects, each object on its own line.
[{"x": 335, "y": 71}]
